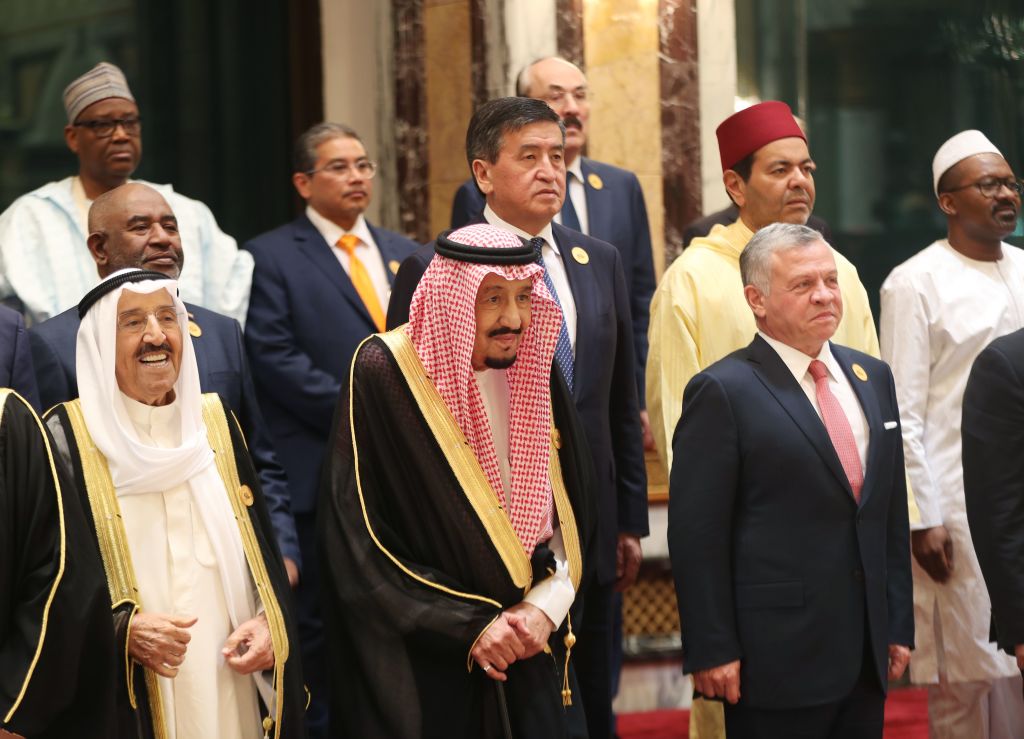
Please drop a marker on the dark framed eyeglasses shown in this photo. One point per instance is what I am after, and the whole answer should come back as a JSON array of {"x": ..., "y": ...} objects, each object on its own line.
[
  {"x": 990, "y": 186},
  {"x": 365, "y": 169},
  {"x": 104, "y": 127}
]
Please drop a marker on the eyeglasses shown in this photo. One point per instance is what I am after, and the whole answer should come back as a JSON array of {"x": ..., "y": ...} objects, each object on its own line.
[
  {"x": 105, "y": 128},
  {"x": 366, "y": 169},
  {"x": 136, "y": 321},
  {"x": 990, "y": 187}
]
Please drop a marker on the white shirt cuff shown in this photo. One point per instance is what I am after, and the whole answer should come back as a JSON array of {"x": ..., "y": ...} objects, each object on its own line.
[{"x": 554, "y": 594}]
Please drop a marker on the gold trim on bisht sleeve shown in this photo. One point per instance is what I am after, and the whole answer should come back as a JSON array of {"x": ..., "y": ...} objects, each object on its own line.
[{"x": 113, "y": 545}]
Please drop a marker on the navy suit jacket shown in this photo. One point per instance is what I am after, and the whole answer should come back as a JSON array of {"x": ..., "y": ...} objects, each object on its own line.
[
  {"x": 16, "y": 359},
  {"x": 604, "y": 391},
  {"x": 775, "y": 562},
  {"x": 993, "y": 441},
  {"x": 223, "y": 369},
  {"x": 305, "y": 322},
  {"x": 617, "y": 214}
]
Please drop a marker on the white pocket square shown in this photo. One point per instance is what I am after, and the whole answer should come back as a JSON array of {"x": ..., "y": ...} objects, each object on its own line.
[{"x": 890, "y": 425}]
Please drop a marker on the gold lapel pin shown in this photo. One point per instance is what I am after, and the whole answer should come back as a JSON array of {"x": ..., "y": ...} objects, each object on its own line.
[
  {"x": 595, "y": 180},
  {"x": 393, "y": 265},
  {"x": 860, "y": 373},
  {"x": 580, "y": 255},
  {"x": 194, "y": 330}
]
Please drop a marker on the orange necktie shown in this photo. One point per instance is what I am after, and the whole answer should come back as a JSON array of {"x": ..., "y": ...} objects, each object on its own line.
[{"x": 361, "y": 280}]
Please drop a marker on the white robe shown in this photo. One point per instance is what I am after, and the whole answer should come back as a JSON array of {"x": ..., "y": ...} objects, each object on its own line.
[
  {"x": 45, "y": 262},
  {"x": 177, "y": 573},
  {"x": 939, "y": 310}
]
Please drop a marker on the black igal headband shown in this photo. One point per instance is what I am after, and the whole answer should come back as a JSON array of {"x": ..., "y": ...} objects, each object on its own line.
[
  {"x": 528, "y": 253},
  {"x": 108, "y": 286}
]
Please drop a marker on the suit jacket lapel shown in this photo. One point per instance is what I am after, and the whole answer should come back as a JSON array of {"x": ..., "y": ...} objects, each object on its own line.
[
  {"x": 311, "y": 243},
  {"x": 388, "y": 253},
  {"x": 865, "y": 392},
  {"x": 776, "y": 377},
  {"x": 599, "y": 208}
]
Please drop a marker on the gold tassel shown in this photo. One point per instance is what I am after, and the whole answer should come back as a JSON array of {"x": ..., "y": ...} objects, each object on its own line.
[
  {"x": 569, "y": 641},
  {"x": 268, "y": 724}
]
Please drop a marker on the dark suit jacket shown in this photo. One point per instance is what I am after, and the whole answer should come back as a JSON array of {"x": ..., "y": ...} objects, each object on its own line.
[
  {"x": 305, "y": 322},
  {"x": 727, "y": 216},
  {"x": 15, "y": 358},
  {"x": 993, "y": 459},
  {"x": 775, "y": 563},
  {"x": 617, "y": 214},
  {"x": 223, "y": 369},
  {"x": 603, "y": 390}
]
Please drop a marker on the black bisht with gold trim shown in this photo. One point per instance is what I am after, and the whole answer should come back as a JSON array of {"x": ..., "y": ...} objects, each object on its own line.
[
  {"x": 57, "y": 667},
  {"x": 418, "y": 562},
  {"x": 138, "y": 708}
]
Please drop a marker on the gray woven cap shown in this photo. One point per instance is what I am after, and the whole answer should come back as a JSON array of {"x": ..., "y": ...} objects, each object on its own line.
[{"x": 99, "y": 83}]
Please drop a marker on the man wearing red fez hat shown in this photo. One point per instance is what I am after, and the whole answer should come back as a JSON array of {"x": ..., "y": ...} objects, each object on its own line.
[{"x": 699, "y": 313}]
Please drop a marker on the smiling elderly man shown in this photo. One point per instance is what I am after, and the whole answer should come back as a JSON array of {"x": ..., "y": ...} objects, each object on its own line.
[
  {"x": 459, "y": 446},
  {"x": 197, "y": 587}
]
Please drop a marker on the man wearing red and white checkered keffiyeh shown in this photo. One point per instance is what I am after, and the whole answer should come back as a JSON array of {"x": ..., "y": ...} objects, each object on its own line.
[{"x": 455, "y": 513}]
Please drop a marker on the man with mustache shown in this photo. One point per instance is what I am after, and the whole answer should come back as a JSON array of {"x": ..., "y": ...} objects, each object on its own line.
[
  {"x": 204, "y": 637},
  {"x": 456, "y": 510},
  {"x": 699, "y": 314},
  {"x": 44, "y": 264},
  {"x": 320, "y": 286},
  {"x": 788, "y": 512},
  {"x": 132, "y": 226},
  {"x": 602, "y": 200},
  {"x": 940, "y": 309},
  {"x": 514, "y": 147}
]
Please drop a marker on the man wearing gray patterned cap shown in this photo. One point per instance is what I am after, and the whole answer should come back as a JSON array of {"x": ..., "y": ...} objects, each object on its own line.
[{"x": 44, "y": 262}]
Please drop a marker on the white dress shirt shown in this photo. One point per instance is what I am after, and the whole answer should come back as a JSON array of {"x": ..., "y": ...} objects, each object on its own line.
[
  {"x": 552, "y": 263},
  {"x": 555, "y": 594},
  {"x": 798, "y": 363},
  {"x": 578, "y": 194},
  {"x": 366, "y": 250}
]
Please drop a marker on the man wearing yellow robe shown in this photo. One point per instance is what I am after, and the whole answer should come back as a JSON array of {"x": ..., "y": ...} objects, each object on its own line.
[{"x": 699, "y": 314}]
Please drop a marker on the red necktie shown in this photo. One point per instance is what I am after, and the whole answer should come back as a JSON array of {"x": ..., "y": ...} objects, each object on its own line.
[{"x": 838, "y": 427}]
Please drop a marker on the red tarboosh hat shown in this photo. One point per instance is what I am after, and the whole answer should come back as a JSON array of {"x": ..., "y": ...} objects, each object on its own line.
[{"x": 745, "y": 132}]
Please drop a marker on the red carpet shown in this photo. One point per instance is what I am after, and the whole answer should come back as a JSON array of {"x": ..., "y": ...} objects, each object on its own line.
[{"x": 906, "y": 717}]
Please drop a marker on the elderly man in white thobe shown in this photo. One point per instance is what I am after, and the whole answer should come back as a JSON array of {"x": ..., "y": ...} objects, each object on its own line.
[
  {"x": 198, "y": 589},
  {"x": 940, "y": 308},
  {"x": 44, "y": 262}
]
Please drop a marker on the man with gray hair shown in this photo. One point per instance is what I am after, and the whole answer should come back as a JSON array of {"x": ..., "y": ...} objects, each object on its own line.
[
  {"x": 788, "y": 512},
  {"x": 321, "y": 285},
  {"x": 44, "y": 263}
]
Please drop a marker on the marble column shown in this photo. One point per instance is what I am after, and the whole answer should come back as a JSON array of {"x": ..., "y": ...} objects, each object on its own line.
[{"x": 410, "y": 118}]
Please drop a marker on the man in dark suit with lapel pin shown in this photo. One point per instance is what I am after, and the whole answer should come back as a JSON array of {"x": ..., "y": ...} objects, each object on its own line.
[
  {"x": 515, "y": 147},
  {"x": 320, "y": 286},
  {"x": 133, "y": 226},
  {"x": 788, "y": 525},
  {"x": 15, "y": 357},
  {"x": 602, "y": 200}
]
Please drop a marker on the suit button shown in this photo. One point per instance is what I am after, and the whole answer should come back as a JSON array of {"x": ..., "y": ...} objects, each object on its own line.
[{"x": 858, "y": 575}]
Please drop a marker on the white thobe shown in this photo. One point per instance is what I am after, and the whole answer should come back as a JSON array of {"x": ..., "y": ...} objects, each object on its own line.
[
  {"x": 44, "y": 260},
  {"x": 939, "y": 310},
  {"x": 177, "y": 573},
  {"x": 555, "y": 594}
]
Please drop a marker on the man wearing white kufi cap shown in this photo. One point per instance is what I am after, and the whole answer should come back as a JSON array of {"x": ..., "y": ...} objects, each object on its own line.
[
  {"x": 44, "y": 262},
  {"x": 197, "y": 587},
  {"x": 940, "y": 308}
]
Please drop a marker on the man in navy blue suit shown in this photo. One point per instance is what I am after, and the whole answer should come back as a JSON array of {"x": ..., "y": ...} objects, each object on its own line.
[
  {"x": 515, "y": 147},
  {"x": 15, "y": 357},
  {"x": 788, "y": 525},
  {"x": 133, "y": 226},
  {"x": 602, "y": 201},
  {"x": 320, "y": 286}
]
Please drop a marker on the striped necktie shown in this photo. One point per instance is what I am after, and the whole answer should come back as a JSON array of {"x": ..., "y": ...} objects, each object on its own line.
[
  {"x": 838, "y": 427},
  {"x": 563, "y": 347},
  {"x": 361, "y": 280}
]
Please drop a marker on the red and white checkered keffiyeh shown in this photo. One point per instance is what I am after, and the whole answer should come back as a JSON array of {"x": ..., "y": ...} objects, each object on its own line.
[{"x": 442, "y": 327}]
